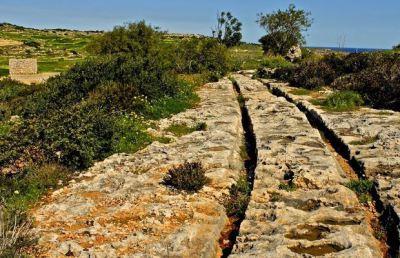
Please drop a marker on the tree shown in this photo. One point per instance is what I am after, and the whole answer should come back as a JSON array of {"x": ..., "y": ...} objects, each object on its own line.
[
  {"x": 134, "y": 38},
  {"x": 397, "y": 47},
  {"x": 228, "y": 29},
  {"x": 284, "y": 29}
]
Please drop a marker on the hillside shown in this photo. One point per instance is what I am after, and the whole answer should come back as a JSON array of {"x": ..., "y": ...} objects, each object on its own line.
[
  {"x": 59, "y": 49},
  {"x": 56, "y": 49}
]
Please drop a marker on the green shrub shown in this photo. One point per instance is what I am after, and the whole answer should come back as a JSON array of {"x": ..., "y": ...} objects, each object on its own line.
[
  {"x": 200, "y": 126},
  {"x": 13, "y": 96},
  {"x": 146, "y": 77},
  {"x": 273, "y": 62},
  {"x": 343, "y": 101},
  {"x": 81, "y": 135},
  {"x": 376, "y": 76},
  {"x": 189, "y": 177},
  {"x": 276, "y": 62},
  {"x": 362, "y": 188},
  {"x": 31, "y": 43},
  {"x": 19, "y": 144},
  {"x": 138, "y": 39},
  {"x": 238, "y": 199},
  {"x": 201, "y": 55}
]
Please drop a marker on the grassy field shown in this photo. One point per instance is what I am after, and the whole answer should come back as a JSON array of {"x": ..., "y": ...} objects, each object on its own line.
[
  {"x": 247, "y": 56},
  {"x": 56, "y": 50}
]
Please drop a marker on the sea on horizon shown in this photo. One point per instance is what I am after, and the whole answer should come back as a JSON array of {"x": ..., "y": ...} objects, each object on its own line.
[{"x": 351, "y": 49}]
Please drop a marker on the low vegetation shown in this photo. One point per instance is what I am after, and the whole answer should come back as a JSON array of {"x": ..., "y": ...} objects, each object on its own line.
[
  {"x": 287, "y": 186},
  {"x": 341, "y": 101},
  {"x": 362, "y": 188},
  {"x": 182, "y": 129},
  {"x": 238, "y": 199},
  {"x": 300, "y": 92},
  {"x": 15, "y": 234},
  {"x": 189, "y": 177}
]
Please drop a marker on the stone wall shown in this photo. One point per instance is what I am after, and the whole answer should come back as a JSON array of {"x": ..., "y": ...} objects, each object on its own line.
[{"x": 23, "y": 66}]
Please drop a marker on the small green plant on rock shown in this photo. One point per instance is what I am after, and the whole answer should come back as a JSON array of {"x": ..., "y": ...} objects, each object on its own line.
[
  {"x": 182, "y": 129},
  {"x": 238, "y": 199},
  {"x": 289, "y": 187},
  {"x": 188, "y": 177},
  {"x": 362, "y": 188}
]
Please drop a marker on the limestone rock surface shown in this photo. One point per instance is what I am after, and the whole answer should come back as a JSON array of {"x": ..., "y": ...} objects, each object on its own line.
[
  {"x": 299, "y": 206},
  {"x": 119, "y": 208},
  {"x": 371, "y": 136}
]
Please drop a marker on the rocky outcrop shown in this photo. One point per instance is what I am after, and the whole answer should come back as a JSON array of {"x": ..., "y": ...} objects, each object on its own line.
[
  {"x": 368, "y": 137},
  {"x": 299, "y": 205},
  {"x": 118, "y": 208},
  {"x": 294, "y": 53}
]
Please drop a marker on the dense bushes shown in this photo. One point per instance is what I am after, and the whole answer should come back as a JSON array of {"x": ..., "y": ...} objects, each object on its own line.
[
  {"x": 200, "y": 55},
  {"x": 139, "y": 39},
  {"x": 13, "y": 95},
  {"x": 379, "y": 83},
  {"x": 312, "y": 75},
  {"x": 376, "y": 76},
  {"x": 136, "y": 76}
]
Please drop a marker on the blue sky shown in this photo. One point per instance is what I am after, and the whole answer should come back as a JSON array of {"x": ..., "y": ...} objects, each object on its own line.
[{"x": 364, "y": 23}]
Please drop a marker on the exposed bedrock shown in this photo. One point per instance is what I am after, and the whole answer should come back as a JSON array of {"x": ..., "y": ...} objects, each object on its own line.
[
  {"x": 299, "y": 205},
  {"x": 118, "y": 208},
  {"x": 370, "y": 138}
]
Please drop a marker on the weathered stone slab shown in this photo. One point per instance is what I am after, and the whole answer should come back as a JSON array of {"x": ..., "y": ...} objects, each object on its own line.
[
  {"x": 118, "y": 208},
  {"x": 23, "y": 66},
  {"x": 319, "y": 216},
  {"x": 372, "y": 138}
]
